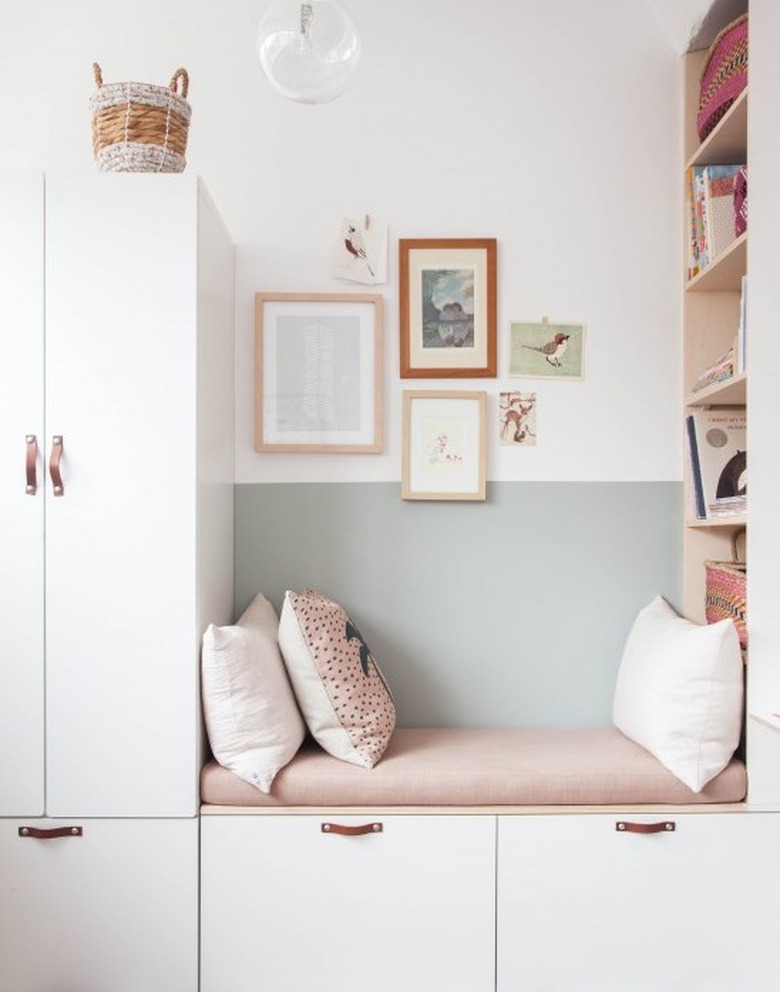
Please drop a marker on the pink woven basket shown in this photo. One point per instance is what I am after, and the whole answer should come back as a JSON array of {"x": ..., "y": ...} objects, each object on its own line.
[
  {"x": 725, "y": 75},
  {"x": 726, "y": 591}
]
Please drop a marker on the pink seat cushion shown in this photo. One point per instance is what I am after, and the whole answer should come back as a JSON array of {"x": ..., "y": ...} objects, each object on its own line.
[{"x": 480, "y": 767}]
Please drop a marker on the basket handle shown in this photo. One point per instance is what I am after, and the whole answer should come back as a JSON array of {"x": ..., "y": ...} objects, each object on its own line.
[
  {"x": 739, "y": 532},
  {"x": 180, "y": 74}
]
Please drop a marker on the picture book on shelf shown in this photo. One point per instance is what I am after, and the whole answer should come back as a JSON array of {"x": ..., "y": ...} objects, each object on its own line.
[
  {"x": 711, "y": 216},
  {"x": 717, "y": 449}
]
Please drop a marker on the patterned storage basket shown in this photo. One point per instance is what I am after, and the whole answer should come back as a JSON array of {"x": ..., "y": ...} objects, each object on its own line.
[
  {"x": 726, "y": 591},
  {"x": 138, "y": 127},
  {"x": 725, "y": 75}
]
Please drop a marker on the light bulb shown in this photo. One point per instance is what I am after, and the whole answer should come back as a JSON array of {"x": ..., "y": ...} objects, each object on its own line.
[{"x": 308, "y": 50}]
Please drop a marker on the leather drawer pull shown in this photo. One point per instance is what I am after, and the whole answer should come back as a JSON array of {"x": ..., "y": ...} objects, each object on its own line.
[
  {"x": 339, "y": 828},
  {"x": 626, "y": 826},
  {"x": 48, "y": 833}
]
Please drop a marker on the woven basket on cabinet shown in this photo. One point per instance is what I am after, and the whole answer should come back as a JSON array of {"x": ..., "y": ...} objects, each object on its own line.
[{"x": 140, "y": 127}]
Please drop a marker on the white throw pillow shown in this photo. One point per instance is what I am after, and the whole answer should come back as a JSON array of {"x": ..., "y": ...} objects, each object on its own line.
[
  {"x": 342, "y": 693},
  {"x": 252, "y": 719},
  {"x": 679, "y": 692}
]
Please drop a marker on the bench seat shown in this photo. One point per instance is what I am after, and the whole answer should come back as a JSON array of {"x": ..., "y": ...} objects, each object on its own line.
[{"x": 480, "y": 767}]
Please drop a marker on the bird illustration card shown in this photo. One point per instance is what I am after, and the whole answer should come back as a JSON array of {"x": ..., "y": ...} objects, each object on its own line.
[
  {"x": 361, "y": 253},
  {"x": 517, "y": 418},
  {"x": 543, "y": 349}
]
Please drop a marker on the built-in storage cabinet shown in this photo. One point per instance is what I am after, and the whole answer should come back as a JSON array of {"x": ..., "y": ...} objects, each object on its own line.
[
  {"x": 116, "y": 386},
  {"x": 583, "y": 904},
  {"x": 291, "y": 903},
  {"x": 116, "y": 528},
  {"x": 110, "y": 909},
  {"x": 711, "y": 318},
  {"x": 451, "y": 902}
]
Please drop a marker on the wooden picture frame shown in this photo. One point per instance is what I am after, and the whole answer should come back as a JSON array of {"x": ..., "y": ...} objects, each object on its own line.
[
  {"x": 318, "y": 372},
  {"x": 447, "y": 294},
  {"x": 444, "y": 445}
]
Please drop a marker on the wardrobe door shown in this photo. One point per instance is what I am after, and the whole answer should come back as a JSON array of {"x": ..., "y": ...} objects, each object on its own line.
[
  {"x": 112, "y": 907},
  {"x": 21, "y": 494},
  {"x": 121, "y": 628}
]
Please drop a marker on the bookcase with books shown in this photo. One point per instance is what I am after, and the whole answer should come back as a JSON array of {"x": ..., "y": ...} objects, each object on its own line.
[{"x": 714, "y": 343}]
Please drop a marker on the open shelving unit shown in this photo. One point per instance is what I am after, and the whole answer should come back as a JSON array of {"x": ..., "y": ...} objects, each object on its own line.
[{"x": 711, "y": 311}]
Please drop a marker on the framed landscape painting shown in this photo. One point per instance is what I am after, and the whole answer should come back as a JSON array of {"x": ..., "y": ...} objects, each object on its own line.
[
  {"x": 318, "y": 384},
  {"x": 447, "y": 297}
]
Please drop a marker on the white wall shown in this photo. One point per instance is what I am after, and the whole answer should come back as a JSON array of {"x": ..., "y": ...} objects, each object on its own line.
[
  {"x": 681, "y": 19},
  {"x": 552, "y": 127},
  {"x": 693, "y": 24}
]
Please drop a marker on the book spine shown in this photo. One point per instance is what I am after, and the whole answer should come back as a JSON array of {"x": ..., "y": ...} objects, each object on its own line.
[{"x": 693, "y": 453}]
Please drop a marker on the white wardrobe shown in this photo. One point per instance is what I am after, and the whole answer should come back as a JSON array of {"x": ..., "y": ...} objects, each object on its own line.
[{"x": 116, "y": 491}]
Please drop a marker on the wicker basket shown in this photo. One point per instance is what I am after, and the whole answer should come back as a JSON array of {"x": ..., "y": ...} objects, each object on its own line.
[
  {"x": 725, "y": 75},
  {"x": 139, "y": 127},
  {"x": 726, "y": 591}
]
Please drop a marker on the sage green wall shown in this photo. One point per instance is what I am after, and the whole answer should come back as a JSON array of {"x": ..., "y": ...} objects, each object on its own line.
[{"x": 508, "y": 612}]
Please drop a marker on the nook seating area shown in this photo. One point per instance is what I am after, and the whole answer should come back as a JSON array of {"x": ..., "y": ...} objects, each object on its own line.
[{"x": 299, "y": 714}]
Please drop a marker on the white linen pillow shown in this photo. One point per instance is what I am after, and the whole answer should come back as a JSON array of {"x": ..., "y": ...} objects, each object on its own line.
[
  {"x": 679, "y": 692},
  {"x": 342, "y": 693},
  {"x": 252, "y": 719}
]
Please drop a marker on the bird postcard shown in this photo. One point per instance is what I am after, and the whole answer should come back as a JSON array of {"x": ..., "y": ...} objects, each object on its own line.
[
  {"x": 361, "y": 252},
  {"x": 543, "y": 349}
]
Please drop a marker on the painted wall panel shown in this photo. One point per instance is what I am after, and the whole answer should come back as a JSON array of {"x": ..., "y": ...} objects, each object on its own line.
[{"x": 513, "y": 611}]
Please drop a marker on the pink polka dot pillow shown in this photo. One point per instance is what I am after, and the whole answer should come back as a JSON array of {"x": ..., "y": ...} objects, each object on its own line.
[{"x": 342, "y": 694}]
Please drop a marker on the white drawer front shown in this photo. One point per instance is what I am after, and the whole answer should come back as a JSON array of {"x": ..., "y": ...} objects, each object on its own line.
[
  {"x": 582, "y": 905},
  {"x": 286, "y": 906},
  {"x": 112, "y": 910}
]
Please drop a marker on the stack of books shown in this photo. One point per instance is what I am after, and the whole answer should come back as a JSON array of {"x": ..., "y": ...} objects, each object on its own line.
[
  {"x": 722, "y": 370},
  {"x": 728, "y": 506},
  {"x": 712, "y": 220}
]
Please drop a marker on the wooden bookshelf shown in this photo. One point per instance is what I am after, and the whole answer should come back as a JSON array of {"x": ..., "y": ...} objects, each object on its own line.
[
  {"x": 718, "y": 523},
  {"x": 711, "y": 312}
]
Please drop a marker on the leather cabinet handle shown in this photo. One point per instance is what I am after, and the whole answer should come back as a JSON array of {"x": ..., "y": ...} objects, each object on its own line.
[
  {"x": 47, "y": 833},
  {"x": 340, "y": 828},
  {"x": 626, "y": 826},
  {"x": 54, "y": 465},
  {"x": 31, "y": 465}
]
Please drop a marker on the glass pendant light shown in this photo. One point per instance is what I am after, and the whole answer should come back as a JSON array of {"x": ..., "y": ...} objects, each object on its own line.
[{"x": 308, "y": 50}]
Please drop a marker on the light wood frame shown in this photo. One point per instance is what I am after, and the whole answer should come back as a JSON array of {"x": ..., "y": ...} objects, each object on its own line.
[
  {"x": 459, "y": 255},
  {"x": 440, "y": 463},
  {"x": 333, "y": 401}
]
